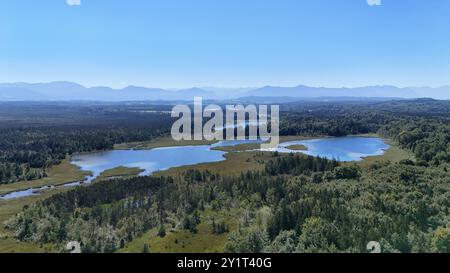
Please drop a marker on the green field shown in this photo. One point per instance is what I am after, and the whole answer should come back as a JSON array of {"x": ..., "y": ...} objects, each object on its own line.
[
  {"x": 235, "y": 163},
  {"x": 297, "y": 147},
  {"x": 119, "y": 172}
]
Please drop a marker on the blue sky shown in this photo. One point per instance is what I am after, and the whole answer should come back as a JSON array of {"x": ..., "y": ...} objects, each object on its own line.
[{"x": 226, "y": 43}]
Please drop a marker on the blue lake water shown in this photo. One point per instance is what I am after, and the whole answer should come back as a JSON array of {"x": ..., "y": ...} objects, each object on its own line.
[
  {"x": 339, "y": 148},
  {"x": 342, "y": 149},
  {"x": 25, "y": 193},
  {"x": 149, "y": 161},
  {"x": 157, "y": 159}
]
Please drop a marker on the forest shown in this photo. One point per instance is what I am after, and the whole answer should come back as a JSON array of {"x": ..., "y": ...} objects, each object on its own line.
[
  {"x": 36, "y": 137},
  {"x": 297, "y": 203},
  {"x": 405, "y": 207}
]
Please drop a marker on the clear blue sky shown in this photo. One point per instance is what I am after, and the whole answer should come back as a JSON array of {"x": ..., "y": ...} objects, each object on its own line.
[{"x": 228, "y": 43}]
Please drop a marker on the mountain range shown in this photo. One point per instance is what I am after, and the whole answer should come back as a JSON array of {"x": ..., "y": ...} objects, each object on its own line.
[{"x": 69, "y": 91}]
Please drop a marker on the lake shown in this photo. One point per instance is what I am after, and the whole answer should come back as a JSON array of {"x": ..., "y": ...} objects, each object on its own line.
[
  {"x": 158, "y": 159},
  {"x": 351, "y": 148}
]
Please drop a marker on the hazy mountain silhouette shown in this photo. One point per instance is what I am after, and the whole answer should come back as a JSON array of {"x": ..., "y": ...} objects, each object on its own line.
[
  {"x": 63, "y": 91},
  {"x": 67, "y": 91}
]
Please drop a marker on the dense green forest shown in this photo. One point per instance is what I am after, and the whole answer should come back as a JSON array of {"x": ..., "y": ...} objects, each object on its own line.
[
  {"x": 405, "y": 207},
  {"x": 32, "y": 142},
  {"x": 297, "y": 203}
]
